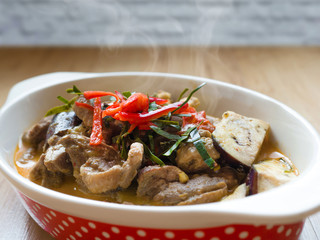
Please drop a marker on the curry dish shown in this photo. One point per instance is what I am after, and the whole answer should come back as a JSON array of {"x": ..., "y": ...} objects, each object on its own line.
[{"x": 131, "y": 148}]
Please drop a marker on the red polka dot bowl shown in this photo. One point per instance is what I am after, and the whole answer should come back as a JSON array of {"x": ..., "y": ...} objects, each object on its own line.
[{"x": 276, "y": 214}]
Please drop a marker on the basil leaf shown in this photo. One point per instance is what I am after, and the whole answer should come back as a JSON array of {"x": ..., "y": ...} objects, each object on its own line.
[
  {"x": 183, "y": 137},
  {"x": 58, "y": 109},
  {"x": 127, "y": 94},
  {"x": 164, "y": 133},
  {"x": 62, "y": 99}
]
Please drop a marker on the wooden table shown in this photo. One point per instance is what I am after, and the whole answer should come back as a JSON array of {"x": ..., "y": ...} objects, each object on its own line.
[{"x": 291, "y": 75}]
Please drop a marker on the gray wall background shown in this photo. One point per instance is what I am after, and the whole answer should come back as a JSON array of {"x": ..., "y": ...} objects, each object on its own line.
[{"x": 159, "y": 22}]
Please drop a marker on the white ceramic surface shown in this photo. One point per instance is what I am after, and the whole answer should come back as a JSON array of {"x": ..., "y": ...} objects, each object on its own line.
[{"x": 28, "y": 101}]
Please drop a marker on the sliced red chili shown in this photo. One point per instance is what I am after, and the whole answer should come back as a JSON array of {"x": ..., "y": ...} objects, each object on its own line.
[
  {"x": 95, "y": 94},
  {"x": 136, "y": 103},
  {"x": 140, "y": 118},
  {"x": 197, "y": 118},
  {"x": 96, "y": 134},
  {"x": 159, "y": 101},
  {"x": 84, "y": 105},
  {"x": 120, "y": 96},
  {"x": 111, "y": 110}
]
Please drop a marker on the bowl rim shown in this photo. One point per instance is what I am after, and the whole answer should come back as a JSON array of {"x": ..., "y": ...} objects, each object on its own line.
[{"x": 287, "y": 212}]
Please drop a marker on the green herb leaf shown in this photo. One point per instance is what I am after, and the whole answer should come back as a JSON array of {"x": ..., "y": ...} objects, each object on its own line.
[
  {"x": 163, "y": 123},
  {"x": 183, "y": 115},
  {"x": 127, "y": 94},
  {"x": 153, "y": 106},
  {"x": 148, "y": 152},
  {"x": 190, "y": 95},
  {"x": 183, "y": 137},
  {"x": 183, "y": 92},
  {"x": 199, "y": 144},
  {"x": 164, "y": 133},
  {"x": 74, "y": 90},
  {"x": 166, "y": 122},
  {"x": 58, "y": 109},
  {"x": 151, "y": 143},
  {"x": 62, "y": 99}
]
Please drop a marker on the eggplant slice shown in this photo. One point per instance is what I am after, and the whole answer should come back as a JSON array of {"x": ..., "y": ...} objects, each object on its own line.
[
  {"x": 239, "y": 139},
  {"x": 269, "y": 174}
]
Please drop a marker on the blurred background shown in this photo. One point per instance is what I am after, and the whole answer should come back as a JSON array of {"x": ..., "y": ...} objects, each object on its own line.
[{"x": 162, "y": 22}]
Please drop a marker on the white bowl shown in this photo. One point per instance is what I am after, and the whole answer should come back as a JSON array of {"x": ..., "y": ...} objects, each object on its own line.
[{"x": 289, "y": 204}]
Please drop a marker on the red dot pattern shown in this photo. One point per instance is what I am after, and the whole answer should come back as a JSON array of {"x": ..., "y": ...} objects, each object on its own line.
[{"x": 63, "y": 226}]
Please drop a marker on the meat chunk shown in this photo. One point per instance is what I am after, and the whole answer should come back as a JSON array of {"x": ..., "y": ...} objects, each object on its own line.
[
  {"x": 49, "y": 179},
  {"x": 165, "y": 185},
  {"x": 189, "y": 159},
  {"x": 239, "y": 138},
  {"x": 57, "y": 160},
  {"x": 164, "y": 95},
  {"x": 37, "y": 133},
  {"x": 60, "y": 124},
  {"x": 153, "y": 179},
  {"x": 207, "y": 197},
  {"x": 79, "y": 151},
  {"x": 177, "y": 192},
  {"x": 231, "y": 176},
  {"x": 193, "y": 101},
  {"x": 85, "y": 114},
  {"x": 101, "y": 175}
]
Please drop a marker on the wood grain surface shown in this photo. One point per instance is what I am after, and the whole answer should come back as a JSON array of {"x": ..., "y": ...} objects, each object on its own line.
[{"x": 291, "y": 75}]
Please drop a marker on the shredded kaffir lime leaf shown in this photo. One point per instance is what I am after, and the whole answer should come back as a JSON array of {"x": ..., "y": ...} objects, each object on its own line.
[
  {"x": 190, "y": 95},
  {"x": 149, "y": 153},
  {"x": 199, "y": 144}
]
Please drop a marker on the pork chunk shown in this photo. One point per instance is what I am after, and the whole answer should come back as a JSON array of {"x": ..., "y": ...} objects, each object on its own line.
[
  {"x": 168, "y": 185},
  {"x": 153, "y": 179},
  {"x": 85, "y": 114},
  {"x": 189, "y": 159},
  {"x": 100, "y": 175},
  {"x": 57, "y": 160},
  {"x": 60, "y": 124},
  {"x": 193, "y": 191},
  {"x": 79, "y": 151},
  {"x": 37, "y": 133},
  {"x": 49, "y": 179},
  {"x": 239, "y": 138},
  {"x": 207, "y": 197}
]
